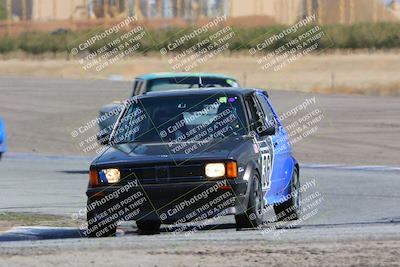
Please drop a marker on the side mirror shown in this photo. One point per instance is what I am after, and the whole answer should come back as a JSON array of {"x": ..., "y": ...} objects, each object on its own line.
[
  {"x": 264, "y": 130},
  {"x": 103, "y": 138}
]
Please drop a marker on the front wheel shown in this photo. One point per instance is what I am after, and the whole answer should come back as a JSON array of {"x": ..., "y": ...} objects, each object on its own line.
[
  {"x": 252, "y": 218},
  {"x": 290, "y": 209}
]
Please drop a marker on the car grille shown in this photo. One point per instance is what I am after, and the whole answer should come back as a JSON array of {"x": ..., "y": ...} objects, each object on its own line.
[{"x": 165, "y": 173}]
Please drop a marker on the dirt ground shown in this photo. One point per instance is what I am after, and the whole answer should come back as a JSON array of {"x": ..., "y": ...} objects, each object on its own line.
[
  {"x": 371, "y": 73},
  {"x": 355, "y": 253}
]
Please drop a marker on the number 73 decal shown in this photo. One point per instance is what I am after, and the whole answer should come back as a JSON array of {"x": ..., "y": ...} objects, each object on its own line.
[{"x": 266, "y": 157}]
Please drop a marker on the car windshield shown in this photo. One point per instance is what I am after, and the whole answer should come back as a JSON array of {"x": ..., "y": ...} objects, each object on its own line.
[
  {"x": 164, "y": 84},
  {"x": 181, "y": 119}
]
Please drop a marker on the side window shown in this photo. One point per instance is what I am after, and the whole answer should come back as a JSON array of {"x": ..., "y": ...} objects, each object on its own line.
[
  {"x": 269, "y": 115},
  {"x": 134, "y": 87},
  {"x": 139, "y": 87},
  {"x": 143, "y": 87},
  {"x": 255, "y": 114}
]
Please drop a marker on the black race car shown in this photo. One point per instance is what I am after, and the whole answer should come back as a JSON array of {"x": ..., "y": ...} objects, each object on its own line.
[{"x": 185, "y": 156}]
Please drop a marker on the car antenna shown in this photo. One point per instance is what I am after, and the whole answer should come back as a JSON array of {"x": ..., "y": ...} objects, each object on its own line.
[{"x": 200, "y": 82}]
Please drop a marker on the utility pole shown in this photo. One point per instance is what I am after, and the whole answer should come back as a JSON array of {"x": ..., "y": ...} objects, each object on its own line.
[
  {"x": 193, "y": 7},
  {"x": 148, "y": 10},
  {"x": 8, "y": 9},
  {"x": 178, "y": 8},
  {"x": 159, "y": 9},
  {"x": 137, "y": 9},
  {"x": 310, "y": 10},
  {"x": 39, "y": 7},
  {"x": 352, "y": 12},
  {"x": 9, "y": 15},
  {"x": 54, "y": 9},
  {"x": 118, "y": 7},
  {"x": 374, "y": 11},
  {"x": 341, "y": 11},
  {"x": 23, "y": 9},
  {"x": 126, "y": 8},
  {"x": 320, "y": 11},
  {"x": 199, "y": 11},
  {"x": 106, "y": 8},
  {"x": 86, "y": 8}
]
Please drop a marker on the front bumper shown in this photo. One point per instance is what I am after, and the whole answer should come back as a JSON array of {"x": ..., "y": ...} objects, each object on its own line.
[{"x": 170, "y": 203}]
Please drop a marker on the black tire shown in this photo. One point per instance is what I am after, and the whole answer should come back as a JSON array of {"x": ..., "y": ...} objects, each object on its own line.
[
  {"x": 148, "y": 227},
  {"x": 290, "y": 209},
  {"x": 94, "y": 230},
  {"x": 253, "y": 217},
  {"x": 1, "y": 155}
]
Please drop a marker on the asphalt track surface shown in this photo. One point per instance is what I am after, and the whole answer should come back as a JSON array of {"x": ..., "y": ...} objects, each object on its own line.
[
  {"x": 357, "y": 221},
  {"x": 40, "y": 115},
  {"x": 350, "y": 196}
]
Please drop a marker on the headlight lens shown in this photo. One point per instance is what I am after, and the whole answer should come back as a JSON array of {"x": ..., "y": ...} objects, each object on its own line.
[
  {"x": 215, "y": 170},
  {"x": 111, "y": 175}
]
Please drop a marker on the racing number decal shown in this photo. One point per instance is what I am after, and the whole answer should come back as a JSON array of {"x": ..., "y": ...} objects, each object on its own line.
[
  {"x": 266, "y": 157},
  {"x": 265, "y": 144},
  {"x": 266, "y": 169}
]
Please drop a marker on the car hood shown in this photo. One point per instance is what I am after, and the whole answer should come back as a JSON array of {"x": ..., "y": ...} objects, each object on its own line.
[{"x": 138, "y": 153}]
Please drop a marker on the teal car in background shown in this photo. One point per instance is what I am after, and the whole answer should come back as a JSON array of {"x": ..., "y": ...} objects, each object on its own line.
[
  {"x": 3, "y": 146},
  {"x": 155, "y": 82},
  {"x": 171, "y": 81}
]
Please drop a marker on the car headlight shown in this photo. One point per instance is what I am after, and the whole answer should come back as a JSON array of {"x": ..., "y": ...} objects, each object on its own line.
[
  {"x": 215, "y": 170},
  {"x": 111, "y": 175}
]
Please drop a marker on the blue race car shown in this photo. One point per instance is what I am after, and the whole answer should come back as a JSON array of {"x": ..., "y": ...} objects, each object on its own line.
[
  {"x": 188, "y": 155},
  {"x": 3, "y": 146}
]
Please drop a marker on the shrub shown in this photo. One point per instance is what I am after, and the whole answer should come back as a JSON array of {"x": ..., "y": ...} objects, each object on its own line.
[{"x": 362, "y": 35}]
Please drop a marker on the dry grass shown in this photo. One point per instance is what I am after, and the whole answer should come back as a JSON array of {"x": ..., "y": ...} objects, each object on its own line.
[
  {"x": 13, "y": 219},
  {"x": 392, "y": 89},
  {"x": 361, "y": 73}
]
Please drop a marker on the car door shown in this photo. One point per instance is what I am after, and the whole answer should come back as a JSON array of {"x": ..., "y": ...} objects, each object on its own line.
[
  {"x": 264, "y": 143},
  {"x": 280, "y": 147}
]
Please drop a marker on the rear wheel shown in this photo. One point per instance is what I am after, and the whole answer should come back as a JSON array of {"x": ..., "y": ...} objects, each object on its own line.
[
  {"x": 253, "y": 216},
  {"x": 1, "y": 154},
  {"x": 148, "y": 227},
  {"x": 290, "y": 209}
]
